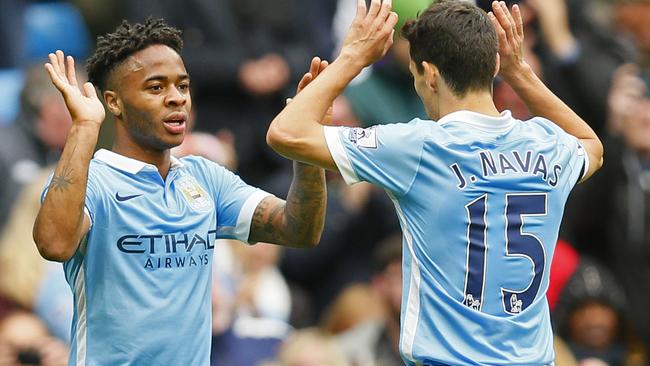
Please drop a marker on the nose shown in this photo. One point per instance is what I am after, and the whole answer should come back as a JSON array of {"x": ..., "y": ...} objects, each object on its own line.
[{"x": 175, "y": 97}]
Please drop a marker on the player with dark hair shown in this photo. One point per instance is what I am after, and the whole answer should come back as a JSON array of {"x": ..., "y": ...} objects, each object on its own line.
[
  {"x": 135, "y": 227},
  {"x": 480, "y": 195}
]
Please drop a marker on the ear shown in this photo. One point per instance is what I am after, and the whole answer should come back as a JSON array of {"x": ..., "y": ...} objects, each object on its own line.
[
  {"x": 431, "y": 74},
  {"x": 113, "y": 103},
  {"x": 498, "y": 65}
]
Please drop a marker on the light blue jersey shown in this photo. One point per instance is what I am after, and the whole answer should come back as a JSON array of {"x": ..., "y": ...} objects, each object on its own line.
[
  {"x": 141, "y": 278},
  {"x": 480, "y": 200}
]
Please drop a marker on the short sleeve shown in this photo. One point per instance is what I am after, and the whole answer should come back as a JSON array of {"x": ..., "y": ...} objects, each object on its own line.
[
  {"x": 385, "y": 155},
  {"x": 236, "y": 202},
  {"x": 578, "y": 160}
]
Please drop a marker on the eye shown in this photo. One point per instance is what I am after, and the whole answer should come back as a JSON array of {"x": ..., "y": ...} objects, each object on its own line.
[
  {"x": 184, "y": 87},
  {"x": 155, "y": 87}
]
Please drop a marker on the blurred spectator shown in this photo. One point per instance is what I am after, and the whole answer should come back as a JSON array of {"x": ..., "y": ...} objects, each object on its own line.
[
  {"x": 376, "y": 341},
  {"x": 219, "y": 148},
  {"x": 358, "y": 217},
  {"x": 251, "y": 304},
  {"x": 309, "y": 347},
  {"x": 357, "y": 304},
  {"x": 577, "y": 56},
  {"x": 385, "y": 93},
  {"x": 24, "y": 340},
  {"x": 632, "y": 17},
  {"x": 34, "y": 139},
  {"x": 25, "y": 277},
  {"x": 244, "y": 57},
  {"x": 591, "y": 317},
  {"x": 610, "y": 217}
]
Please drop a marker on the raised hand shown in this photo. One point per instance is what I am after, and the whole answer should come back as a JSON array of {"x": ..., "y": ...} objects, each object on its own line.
[
  {"x": 371, "y": 33},
  {"x": 510, "y": 31},
  {"x": 315, "y": 68},
  {"x": 83, "y": 104}
]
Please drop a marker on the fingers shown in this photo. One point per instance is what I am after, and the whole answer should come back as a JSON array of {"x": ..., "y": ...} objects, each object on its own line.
[
  {"x": 306, "y": 79},
  {"x": 501, "y": 34},
  {"x": 503, "y": 16},
  {"x": 519, "y": 22},
  {"x": 55, "y": 64},
  {"x": 54, "y": 76},
  {"x": 70, "y": 71},
  {"x": 60, "y": 58},
  {"x": 361, "y": 9},
  {"x": 375, "y": 5},
  {"x": 314, "y": 67},
  {"x": 383, "y": 17},
  {"x": 89, "y": 90}
]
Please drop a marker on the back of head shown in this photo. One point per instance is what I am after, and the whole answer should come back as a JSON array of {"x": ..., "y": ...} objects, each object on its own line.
[
  {"x": 113, "y": 48},
  {"x": 459, "y": 39}
]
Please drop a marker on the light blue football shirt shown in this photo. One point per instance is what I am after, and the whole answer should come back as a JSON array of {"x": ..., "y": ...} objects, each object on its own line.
[
  {"x": 480, "y": 200},
  {"x": 141, "y": 278}
]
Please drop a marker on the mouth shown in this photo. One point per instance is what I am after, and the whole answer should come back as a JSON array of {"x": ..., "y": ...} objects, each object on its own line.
[{"x": 175, "y": 122}]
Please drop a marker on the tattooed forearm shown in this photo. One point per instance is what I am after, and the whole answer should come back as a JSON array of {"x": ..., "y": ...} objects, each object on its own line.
[
  {"x": 298, "y": 222},
  {"x": 266, "y": 219},
  {"x": 63, "y": 180}
]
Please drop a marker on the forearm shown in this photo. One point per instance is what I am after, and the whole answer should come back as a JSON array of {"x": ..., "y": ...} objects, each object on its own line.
[
  {"x": 542, "y": 102},
  {"x": 305, "y": 206},
  {"x": 298, "y": 221},
  {"x": 59, "y": 224}
]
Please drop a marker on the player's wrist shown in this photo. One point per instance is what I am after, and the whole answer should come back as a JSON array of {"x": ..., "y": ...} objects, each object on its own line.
[
  {"x": 352, "y": 59},
  {"x": 517, "y": 75}
]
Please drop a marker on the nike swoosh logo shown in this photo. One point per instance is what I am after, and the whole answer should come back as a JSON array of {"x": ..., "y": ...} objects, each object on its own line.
[{"x": 125, "y": 198}]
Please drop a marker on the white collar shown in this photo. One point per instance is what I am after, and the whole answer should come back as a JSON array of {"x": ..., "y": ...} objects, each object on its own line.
[
  {"x": 481, "y": 121},
  {"x": 129, "y": 165}
]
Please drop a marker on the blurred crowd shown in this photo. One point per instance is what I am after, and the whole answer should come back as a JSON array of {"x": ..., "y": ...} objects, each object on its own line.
[{"x": 338, "y": 304}]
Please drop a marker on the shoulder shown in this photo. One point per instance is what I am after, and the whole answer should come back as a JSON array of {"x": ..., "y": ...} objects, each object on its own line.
[{"x": 545, "y": 127}]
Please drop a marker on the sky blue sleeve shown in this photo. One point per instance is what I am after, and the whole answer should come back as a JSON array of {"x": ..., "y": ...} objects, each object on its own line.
[
  {"x": 236, "y": 202},
  {"x": 385, "y": 155},
  {"x": 573, "y": 155}
]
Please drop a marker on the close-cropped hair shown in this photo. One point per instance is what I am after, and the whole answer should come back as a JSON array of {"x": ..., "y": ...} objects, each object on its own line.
[
  {"x": 459, "y": 38},
  {"x": 113, "y": 48}
]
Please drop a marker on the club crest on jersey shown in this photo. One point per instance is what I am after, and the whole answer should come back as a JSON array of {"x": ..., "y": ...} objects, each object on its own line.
[
  {"x": 364, "y": 137},
  {"x": 194, "y": 194}
]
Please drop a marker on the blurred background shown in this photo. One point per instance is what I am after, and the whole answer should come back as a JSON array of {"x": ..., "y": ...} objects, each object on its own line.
[{"x": 339, "y": 303}]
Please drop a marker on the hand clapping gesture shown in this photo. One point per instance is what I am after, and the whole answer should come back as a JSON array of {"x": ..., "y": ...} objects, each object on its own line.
[{"x": 83, "y": 104}]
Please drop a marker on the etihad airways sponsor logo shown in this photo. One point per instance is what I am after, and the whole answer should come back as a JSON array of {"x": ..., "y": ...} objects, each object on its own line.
[{"x": 169, "y": 250}]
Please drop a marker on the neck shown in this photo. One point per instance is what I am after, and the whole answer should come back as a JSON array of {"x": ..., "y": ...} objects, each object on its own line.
[
  {"x": 479, "y": 102},
  {"x": 160, "y": 158}
]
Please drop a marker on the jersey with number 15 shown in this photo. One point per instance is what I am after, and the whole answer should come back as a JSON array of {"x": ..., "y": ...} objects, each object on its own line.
[{"x": 480, "y": 200}]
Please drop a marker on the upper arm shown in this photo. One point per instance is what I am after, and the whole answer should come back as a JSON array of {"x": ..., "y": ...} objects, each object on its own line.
[
  {"x": 385, "y": 155},
  {"x": 310, "y": 148}
]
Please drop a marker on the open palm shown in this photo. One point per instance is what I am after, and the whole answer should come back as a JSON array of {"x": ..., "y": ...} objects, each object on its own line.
[{"x": 83, "y": 104}]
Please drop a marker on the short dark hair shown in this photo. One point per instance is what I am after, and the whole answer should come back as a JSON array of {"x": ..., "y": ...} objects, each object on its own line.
[
  {"x": 127, "y": 39},
  {"x": 459, "y": 38}
]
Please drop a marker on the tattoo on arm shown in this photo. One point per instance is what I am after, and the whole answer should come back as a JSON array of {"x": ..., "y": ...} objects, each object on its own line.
[
  {"x": 265, "y": 226},
  {"x": 62, "y": 181}
]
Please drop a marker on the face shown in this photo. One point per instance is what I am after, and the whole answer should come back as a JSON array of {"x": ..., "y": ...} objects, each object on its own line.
[
  {"x": 151, "y": 98},
  {"x": 594, "y": 326},
  {"x": 636, "y": 128}
]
